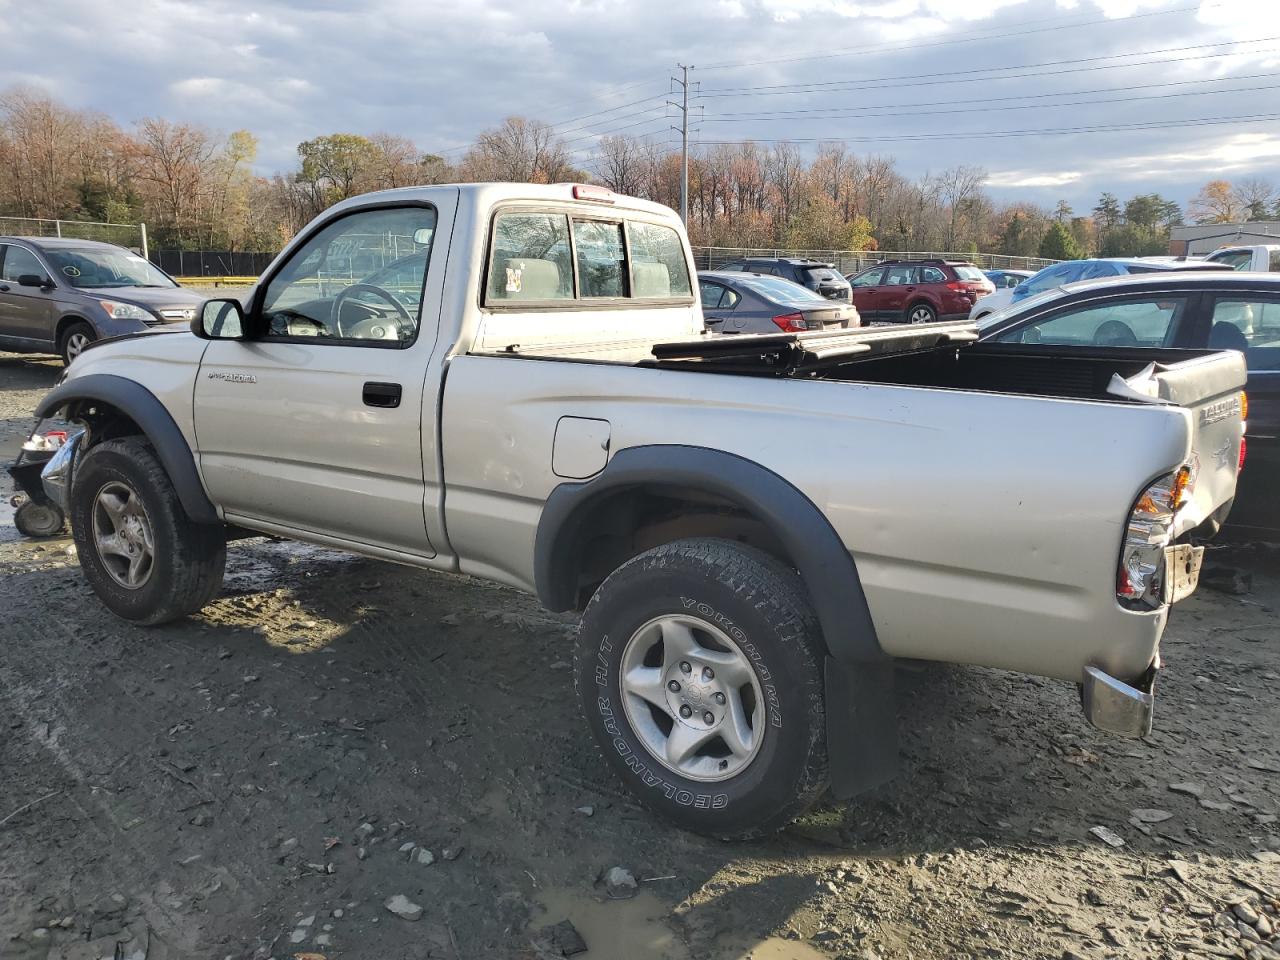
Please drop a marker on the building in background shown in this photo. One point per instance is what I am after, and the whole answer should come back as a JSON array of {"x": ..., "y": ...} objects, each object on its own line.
[{"x": 1201, "y": 238}]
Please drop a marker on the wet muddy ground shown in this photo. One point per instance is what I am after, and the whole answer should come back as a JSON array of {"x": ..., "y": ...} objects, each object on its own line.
[{"x": 335, "y": 733}]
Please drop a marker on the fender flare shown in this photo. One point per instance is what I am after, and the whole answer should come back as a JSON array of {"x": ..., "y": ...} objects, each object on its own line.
[
  {"x": 828, "y": 571},
  {"x": 142, "y": 406}
]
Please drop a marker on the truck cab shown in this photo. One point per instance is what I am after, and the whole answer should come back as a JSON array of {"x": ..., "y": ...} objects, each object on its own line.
[{"x": 1261, "y": 258}]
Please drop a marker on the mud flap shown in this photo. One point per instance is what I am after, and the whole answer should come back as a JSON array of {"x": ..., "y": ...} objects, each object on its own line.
[{"x": 862, "y": 726}]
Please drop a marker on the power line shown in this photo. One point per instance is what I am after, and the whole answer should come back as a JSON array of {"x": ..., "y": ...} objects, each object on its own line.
[
  {"x": 991, "y": 33},
  {"x": 1003, "y": 134},
  {"x": 793, "y": 88},
  {"x": 1021, "y": 96},
  {"x": 897, "y": 111}
]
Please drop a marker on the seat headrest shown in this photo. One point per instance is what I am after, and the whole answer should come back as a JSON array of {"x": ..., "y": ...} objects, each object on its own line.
[
  {"x": 1227, "y": 336},
  {"x": 651, "y": 279},
  {"x": 531, "y": 279}
]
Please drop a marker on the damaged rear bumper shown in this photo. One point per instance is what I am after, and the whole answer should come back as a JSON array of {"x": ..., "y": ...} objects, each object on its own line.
[{"x": 1117, "y": 707}]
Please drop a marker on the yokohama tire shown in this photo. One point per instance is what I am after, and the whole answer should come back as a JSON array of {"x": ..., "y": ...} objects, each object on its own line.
[
  {"x": 188, "y": 558},
  {"x": 742, "y": 594}
]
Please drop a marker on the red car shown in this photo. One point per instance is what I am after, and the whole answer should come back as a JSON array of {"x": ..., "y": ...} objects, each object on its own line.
[{"x": 918, "y": 291}]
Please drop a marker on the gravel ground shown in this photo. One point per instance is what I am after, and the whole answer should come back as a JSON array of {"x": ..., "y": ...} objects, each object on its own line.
[{"x": 347, "y": 758}]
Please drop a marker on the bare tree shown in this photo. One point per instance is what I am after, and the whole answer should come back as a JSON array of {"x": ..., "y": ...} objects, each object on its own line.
[
  {"x": 518, "y": 150},
  {"x": 623, "y": 164},
  {"x": 956, "y": 188},
  {"x": 175, "y": 160},
  {"x": 785, "y": 170}
]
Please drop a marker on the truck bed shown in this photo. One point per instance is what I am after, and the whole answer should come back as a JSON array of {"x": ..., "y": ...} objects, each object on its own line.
[{"x": 937, "y": 355}]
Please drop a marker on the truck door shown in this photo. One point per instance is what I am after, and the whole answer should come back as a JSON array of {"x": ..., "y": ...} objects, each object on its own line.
[{"x": 316, "y": 423}]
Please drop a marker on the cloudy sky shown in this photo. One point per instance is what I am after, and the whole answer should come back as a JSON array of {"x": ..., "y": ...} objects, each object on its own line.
[{"x": 932, "y": 82}]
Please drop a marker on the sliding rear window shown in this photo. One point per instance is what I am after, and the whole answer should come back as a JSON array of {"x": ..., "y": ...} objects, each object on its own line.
[{"x": 549, "y": 259}]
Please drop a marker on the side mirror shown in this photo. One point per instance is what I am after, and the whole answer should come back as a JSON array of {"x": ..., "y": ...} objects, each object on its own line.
[
  {"x": 220, "y": 320},
  {"x": 34, "y": 280}
]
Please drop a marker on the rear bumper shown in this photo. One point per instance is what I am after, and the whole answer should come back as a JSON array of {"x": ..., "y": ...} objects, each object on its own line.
[{"x": 1118, "y": 707}]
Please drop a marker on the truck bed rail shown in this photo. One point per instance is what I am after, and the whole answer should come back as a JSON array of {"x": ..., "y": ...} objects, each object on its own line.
[{"x": 790, "y": 354}]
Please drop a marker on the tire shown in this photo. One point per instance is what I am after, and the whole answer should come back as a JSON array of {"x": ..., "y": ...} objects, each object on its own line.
[
  {"x": 751, "y": 621},
  {"x": 74, "y": 339},
  {"x": 122, "y": 499},
  {"x": 920, "y": 313},
  {"x": 39, "y": 519}
]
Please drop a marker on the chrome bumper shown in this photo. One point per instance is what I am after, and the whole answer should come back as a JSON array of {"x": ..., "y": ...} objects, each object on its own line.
[
  {"x": 1115, "y": 706},
  {"x": 56, "y": 475}
]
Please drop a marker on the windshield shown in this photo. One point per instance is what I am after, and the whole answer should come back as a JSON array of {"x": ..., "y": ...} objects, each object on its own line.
[
  {"x": 970, "y": 273},
  {"x": 775, "y": 288},
  {"x": 1001, "y": 317},
  {"x": 104, "y": 267}
]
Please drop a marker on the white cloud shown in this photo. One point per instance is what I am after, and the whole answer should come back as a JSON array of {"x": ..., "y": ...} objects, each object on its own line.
[{"x": 1028, "y": 178}]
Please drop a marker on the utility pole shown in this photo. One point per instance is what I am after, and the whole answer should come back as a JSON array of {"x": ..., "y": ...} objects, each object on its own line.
[{"x": 683, "y": 107}]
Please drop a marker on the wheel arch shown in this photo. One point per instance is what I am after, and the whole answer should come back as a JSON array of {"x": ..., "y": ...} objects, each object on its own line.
[
  {"x": 65, "y": 322},
  {"x": 717, "y": 493},
  {"x": 113, "y": 398}
]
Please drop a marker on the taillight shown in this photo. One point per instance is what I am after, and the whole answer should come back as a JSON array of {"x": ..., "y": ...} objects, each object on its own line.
[
  {"x": 1140, "y": 578},
  {"x": 958, "y": 286},
  {"x": 791, "y": 322},
  {"x": 1244, "y": 405},
  {"x": 1243, "y": 445}
]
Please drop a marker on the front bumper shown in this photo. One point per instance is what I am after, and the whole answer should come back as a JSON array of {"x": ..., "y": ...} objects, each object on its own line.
[{"x": 56, "y": 475}]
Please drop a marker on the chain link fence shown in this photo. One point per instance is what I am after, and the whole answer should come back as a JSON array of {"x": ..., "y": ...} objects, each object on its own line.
[
  {"x": 851, "y": 261},
  {"x": 130, "y": 235}
]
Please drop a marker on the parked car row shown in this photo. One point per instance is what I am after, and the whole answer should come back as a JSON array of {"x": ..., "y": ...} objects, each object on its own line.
[{"x": 1070, "y": 271}]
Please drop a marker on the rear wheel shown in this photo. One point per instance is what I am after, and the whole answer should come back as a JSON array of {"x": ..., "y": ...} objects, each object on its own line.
[
  {"x": 141, "y": 553},
  {"x": 74, "y": 339},
  {"x": 699, "y": 671},
  {"x": 921, "y": 313}
]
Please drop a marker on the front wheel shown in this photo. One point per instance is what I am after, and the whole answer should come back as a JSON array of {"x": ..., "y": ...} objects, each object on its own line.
[
  {"x": 74, "y": 340},
  {"x": 699, "y": 671},
  {"x": 921, "y": 313},
  {"x": 141, "y": 553}
]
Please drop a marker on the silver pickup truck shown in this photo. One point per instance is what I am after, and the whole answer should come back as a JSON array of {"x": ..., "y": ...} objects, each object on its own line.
[{"x": 513, "y": 382}]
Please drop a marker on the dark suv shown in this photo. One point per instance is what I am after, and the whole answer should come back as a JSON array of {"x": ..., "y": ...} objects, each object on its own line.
[
  {"x": 918, "y": 291},
  {"x": 821, "y": 278},
  {"x": 60, "y": 295}
]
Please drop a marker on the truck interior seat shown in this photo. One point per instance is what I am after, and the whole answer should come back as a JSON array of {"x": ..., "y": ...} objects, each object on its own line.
[
  {"x": 651, "y": 279},
  {"x": 538, "y": 280}
]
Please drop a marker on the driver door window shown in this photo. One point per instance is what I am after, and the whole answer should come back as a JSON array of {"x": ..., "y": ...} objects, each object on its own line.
[
  {"x": 1131, "y": 323},
  {"x": 358, "y": 279}
]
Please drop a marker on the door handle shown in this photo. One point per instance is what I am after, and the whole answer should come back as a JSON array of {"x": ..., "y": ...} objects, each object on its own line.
[{"x": 381, "y": 394}]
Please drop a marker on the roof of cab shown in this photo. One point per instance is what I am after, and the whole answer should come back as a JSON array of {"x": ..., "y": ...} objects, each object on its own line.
[{"x": 488, "y": 194}]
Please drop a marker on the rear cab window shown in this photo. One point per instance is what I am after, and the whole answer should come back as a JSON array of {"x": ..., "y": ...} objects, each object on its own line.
[
  {"x": 1235, "y": 259},
  {"x": 564, "y": 278}
]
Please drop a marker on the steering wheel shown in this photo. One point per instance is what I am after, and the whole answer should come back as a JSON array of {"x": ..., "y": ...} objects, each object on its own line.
[
  {"x": 1114, "y": 333},
  {"x": 348, "y": 292}
]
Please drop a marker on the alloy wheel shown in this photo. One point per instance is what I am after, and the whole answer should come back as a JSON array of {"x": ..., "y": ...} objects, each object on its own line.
[
  {"x": 122, "y": 535},
  {"x": 692, "y": 698}
]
